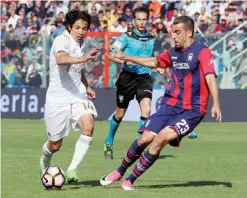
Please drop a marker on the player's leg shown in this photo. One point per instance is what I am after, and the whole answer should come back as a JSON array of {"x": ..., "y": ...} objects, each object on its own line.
[
  {"x": 133, "y": 153},
  {"x": 56, "y": 121},
  {"x": 153, "y": 124},
  {"x": 126, "y": 87},
  {"x": 179, "y": 126},
  {"x": 144, "y": 98},
  {"x": 114, "y": 124},
  {"x": 48, "y": 149},
  {"x": 192, "y": 135},
  {"x": 82, "y": 119},
  {"x": 149, "y": 157}
]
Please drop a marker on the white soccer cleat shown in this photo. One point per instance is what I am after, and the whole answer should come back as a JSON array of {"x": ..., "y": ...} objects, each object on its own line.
[
  {"x": 126, "y": 185},
  {"x": 110, "y": 178}
]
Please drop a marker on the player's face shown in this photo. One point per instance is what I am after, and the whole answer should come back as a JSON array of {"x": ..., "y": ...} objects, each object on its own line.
[
  {"x": 78, "y": 30},
  {"x": 180, "y": 35},
  {"x": 140, "y": 20}
]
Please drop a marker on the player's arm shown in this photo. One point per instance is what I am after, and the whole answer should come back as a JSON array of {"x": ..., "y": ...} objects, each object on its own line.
[
  {"x": 163, "y": 60},
  {"x": 120, "y": 43},
  {"x": 90, "y": 92},
  {"x": 62, "y": 49},
  {"x": 206, "y": 63},
  {"x": 63, "y": 58}
]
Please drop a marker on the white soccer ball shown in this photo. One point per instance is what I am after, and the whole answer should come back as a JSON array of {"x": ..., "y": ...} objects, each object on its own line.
[{"x": 53, "y": 178}]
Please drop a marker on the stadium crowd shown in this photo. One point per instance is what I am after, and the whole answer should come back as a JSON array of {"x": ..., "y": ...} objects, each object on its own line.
[{"x": 22, "y": 24}]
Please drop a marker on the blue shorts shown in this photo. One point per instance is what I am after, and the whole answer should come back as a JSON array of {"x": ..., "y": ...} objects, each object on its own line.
[{"x": 181, "y": 120}]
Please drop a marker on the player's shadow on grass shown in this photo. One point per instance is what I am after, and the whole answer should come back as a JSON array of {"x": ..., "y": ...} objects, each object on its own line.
[
  {"x": 89, "y": 183},
  {"x": 189, "y": 184},
  {"x": 166, "y": 156}
]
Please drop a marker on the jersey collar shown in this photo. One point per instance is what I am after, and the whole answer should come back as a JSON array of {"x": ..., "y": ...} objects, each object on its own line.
[{"x": 139, "y": 34}]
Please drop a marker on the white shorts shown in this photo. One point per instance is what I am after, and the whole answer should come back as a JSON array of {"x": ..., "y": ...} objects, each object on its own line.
[{"x": 57, "y": 119}]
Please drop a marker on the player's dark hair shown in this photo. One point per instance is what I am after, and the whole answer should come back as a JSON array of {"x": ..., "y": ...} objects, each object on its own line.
[
  {"x": 141, "y": 9},
  {"x": 187, "y": 21},
  {"x": 75, "y": 14}
]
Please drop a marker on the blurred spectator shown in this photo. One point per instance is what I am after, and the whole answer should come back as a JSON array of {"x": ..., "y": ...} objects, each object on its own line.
[
  {"x": 61, "y": 8},
  {"x": 109, "y": 5},
  {"x": 123, "y": 25},
  {"x": 16, "y": 80},
  {"x": 93, "y": 28},
  {"x": 34, "y": 79},
  {"x": 60, "y": 28},
  {"x": 115, "y": 27},
  {"x": 128, "y": 15},
  {"x": 109, "y": 17},
  {"x": 214, "y": 27},
  {"x": 93, "y": 4},
  {"x": 94, "y": 16},
  {"x": 155, "y": 6},
  {"x": 130, "y": 26},
  {"x": 34, "y": 66},
  {"x": 223, "y": 25},
  {"x": 3, "y": 80},
  {"x": 204, "y": 14},
  {"x": 13, "y": 19},
  {"x": 3, "y": 32},
  {"x": 202, "y": 25},
  {"x": 4, "y": 9},
  {"x": 19, "y": 30}
]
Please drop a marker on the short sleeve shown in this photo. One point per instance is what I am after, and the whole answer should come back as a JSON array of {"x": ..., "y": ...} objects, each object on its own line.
[
  {"x": 164, "y": 59},
  {"x": 206, "y": 62},
  {"x": 62, "y": 43},
  {"x": 121, "y": 42}
]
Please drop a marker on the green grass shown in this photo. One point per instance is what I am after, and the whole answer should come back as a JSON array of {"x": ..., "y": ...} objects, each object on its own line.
[{"x": 213, "y": 165}]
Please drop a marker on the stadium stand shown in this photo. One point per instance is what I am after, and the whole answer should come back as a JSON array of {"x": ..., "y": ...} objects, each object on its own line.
[{"x": 28, "y": 29}]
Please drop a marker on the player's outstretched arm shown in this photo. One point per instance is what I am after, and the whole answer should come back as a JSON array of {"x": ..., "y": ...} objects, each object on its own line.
[
  {"x": 64, "y": 59},
  {"x": 213, "y": 88},
  {"x": 145, "y": 61}
]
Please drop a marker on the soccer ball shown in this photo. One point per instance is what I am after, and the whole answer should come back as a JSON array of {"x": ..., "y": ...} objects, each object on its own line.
[{"x": 53, "y": 178}]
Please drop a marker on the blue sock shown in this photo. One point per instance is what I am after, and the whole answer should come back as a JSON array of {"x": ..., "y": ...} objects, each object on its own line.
[
  {"x": 141, "y": 121},
  {"x": 113, "y": 128}
]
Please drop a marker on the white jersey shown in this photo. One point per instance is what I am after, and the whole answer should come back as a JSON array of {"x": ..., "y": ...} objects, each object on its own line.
[{"x": 65, "y": 86}]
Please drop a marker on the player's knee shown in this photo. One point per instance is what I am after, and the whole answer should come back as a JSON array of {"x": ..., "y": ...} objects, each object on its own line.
[
  {"x": 145, "y": 112},
  {"x": 146, "y": 139},
  {"x": 55, "y": 146},
  {"x": 88, "y": 130}
]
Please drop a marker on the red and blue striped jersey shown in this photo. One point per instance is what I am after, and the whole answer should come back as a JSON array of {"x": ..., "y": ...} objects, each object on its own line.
[{"x": 188, "y": 88}]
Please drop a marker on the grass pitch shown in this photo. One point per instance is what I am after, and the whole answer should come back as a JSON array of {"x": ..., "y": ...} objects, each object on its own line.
[{"x": 213, "y": 165}]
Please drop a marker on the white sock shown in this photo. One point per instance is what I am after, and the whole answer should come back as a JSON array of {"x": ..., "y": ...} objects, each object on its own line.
[
  {"x": 46, "y": 156},
  {"x": 81, "y": 148}
]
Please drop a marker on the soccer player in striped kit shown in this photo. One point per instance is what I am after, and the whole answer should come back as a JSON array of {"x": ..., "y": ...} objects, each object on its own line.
[{"x": 184, "y": 105}]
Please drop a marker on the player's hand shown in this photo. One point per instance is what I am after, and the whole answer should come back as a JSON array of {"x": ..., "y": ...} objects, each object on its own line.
[
  {"x": 119, "y": 54},
  {"x": 93, "y": 53},
  {"x": 129, "y": 63},
  {"x": 160, "y": 70},
  {"x": 91, "y": 93},
  {"x": 216, "y": 112}
]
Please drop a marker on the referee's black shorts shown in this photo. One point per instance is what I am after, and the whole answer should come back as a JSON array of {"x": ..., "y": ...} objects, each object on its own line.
[{"x": 130, "y": 85}]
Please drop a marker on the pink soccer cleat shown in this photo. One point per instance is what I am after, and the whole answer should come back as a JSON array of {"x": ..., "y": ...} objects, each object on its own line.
[
  {"x": 110, "y": 178},
  {"x": 126, "y": 185}
]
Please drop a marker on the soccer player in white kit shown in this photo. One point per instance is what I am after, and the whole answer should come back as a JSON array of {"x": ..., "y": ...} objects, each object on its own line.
[{"x": 68, "y": 95}]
